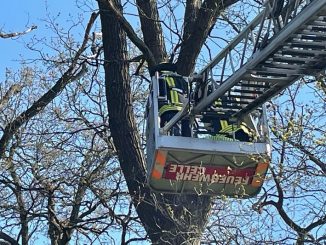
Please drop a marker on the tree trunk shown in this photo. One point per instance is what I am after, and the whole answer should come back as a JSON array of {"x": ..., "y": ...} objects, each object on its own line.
[{"x": 168, "y": 219}]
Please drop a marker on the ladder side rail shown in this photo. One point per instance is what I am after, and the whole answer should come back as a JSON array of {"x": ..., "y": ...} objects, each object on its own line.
[
  {"x": 242, "y": 38},
  {"x": 155, "y": 104},
  {"x": 231, "y": 62},
  {"x": 224, "y": 87},
  {"x": 304, "y": 16},
  {"x": 266, "y": 14},
  {"x": 223, "y": 67},
  {"x": 152, "y": 125},
  {"x": 239, "y": 38}
]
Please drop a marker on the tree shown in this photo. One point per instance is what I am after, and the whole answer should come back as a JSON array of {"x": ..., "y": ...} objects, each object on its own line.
[
  {"x": 187, "y": 224},
  {"x": 189, "y": 213},
  {"x": 59, "y": 147}
]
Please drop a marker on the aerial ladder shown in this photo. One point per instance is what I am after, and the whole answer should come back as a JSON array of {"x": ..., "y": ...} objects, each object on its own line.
[{"x": 283, "y": 43}]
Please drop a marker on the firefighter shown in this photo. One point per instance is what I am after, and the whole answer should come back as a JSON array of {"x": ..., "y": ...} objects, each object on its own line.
[
  {"x": 173, "y": 90},
  {"x": 217, "y": 121},
  {"x": 224, "y": 130}
]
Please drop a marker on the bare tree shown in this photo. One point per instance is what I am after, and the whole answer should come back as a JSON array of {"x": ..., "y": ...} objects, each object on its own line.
[{"x": 72, "y": 151}]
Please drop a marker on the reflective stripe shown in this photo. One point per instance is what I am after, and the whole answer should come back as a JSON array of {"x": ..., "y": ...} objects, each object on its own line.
[
  {"x": 226, "y": 128},
  {"x": 218, "y": 102},
  {"x": 245, "y": 129},
  {"x": 224, "y": 124},
  {"x": 220, "y": 137},
  {"x": 156, "y": 174},
  {"x": 229, "y": 129},
  {"x": 174, "y": 97},
  {"x": 160, "y": 158},
  {"x": 170, "y": 81},
  {"x": 178, "y": 90},
  {"x": 166, "y": 108},
  {"x": 173, "y": 91}
]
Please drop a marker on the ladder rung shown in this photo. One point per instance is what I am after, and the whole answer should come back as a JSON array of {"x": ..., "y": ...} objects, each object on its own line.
[
  {"x": 242, "y": 102},
  {"x": 305, "y": 44},
  {"x": 219, "y": 113},
  {"x": 309, "y": 37},
  {"x": 279, "y": 65},
  {"x": 314, "y": 33},
  {"x": 246, "y": 91},
  {"x": 302, "y": 67},
  {"x": 231, "y": 102},
  {"x": 291, "y": 60},
  {"x": 284, "y": 72},
  {"x": 318, "y": 23},
  {"x": 242, "y": 97},
  {"x": 302, "y": 53},
  {"x": 319, "y": 28},
  {"x": 321, "y": 18},
  {"x": 265, "y": 86},
  {"x": 230, "y": 106},
  {"x": 262, "y": 79}
]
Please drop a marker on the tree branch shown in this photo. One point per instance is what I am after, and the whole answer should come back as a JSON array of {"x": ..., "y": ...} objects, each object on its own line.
[
  {"x": 14, "y": 89},
  {"x": 317, "y": 223},
  {"x": 8, "y": 238},
  {"x": 16, "y": 34},
  {"x": 191, "y": 213},
  {"x": 74, "y": 72},
  {"x": 279, "y": 206},
  {"x": 109, "y": 5},
  {"x": 311, "y": 156},
  {"x": 194, "y": 39},
  {"x": 152, "y": 29},
  {"x": 190, "y": 17}
]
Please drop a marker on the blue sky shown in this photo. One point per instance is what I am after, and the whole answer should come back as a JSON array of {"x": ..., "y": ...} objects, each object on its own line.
[{"x": 17, "y": 16}]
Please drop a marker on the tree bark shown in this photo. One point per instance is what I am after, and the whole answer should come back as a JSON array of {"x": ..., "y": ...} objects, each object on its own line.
[
  {"x": 55, "y": 230},
  {"x": 17, "y": 190},
  {"x": 152, "y": 29}
]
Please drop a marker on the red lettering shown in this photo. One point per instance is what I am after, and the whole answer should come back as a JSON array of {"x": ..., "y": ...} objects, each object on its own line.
[{"x": 209, "y": 174}]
